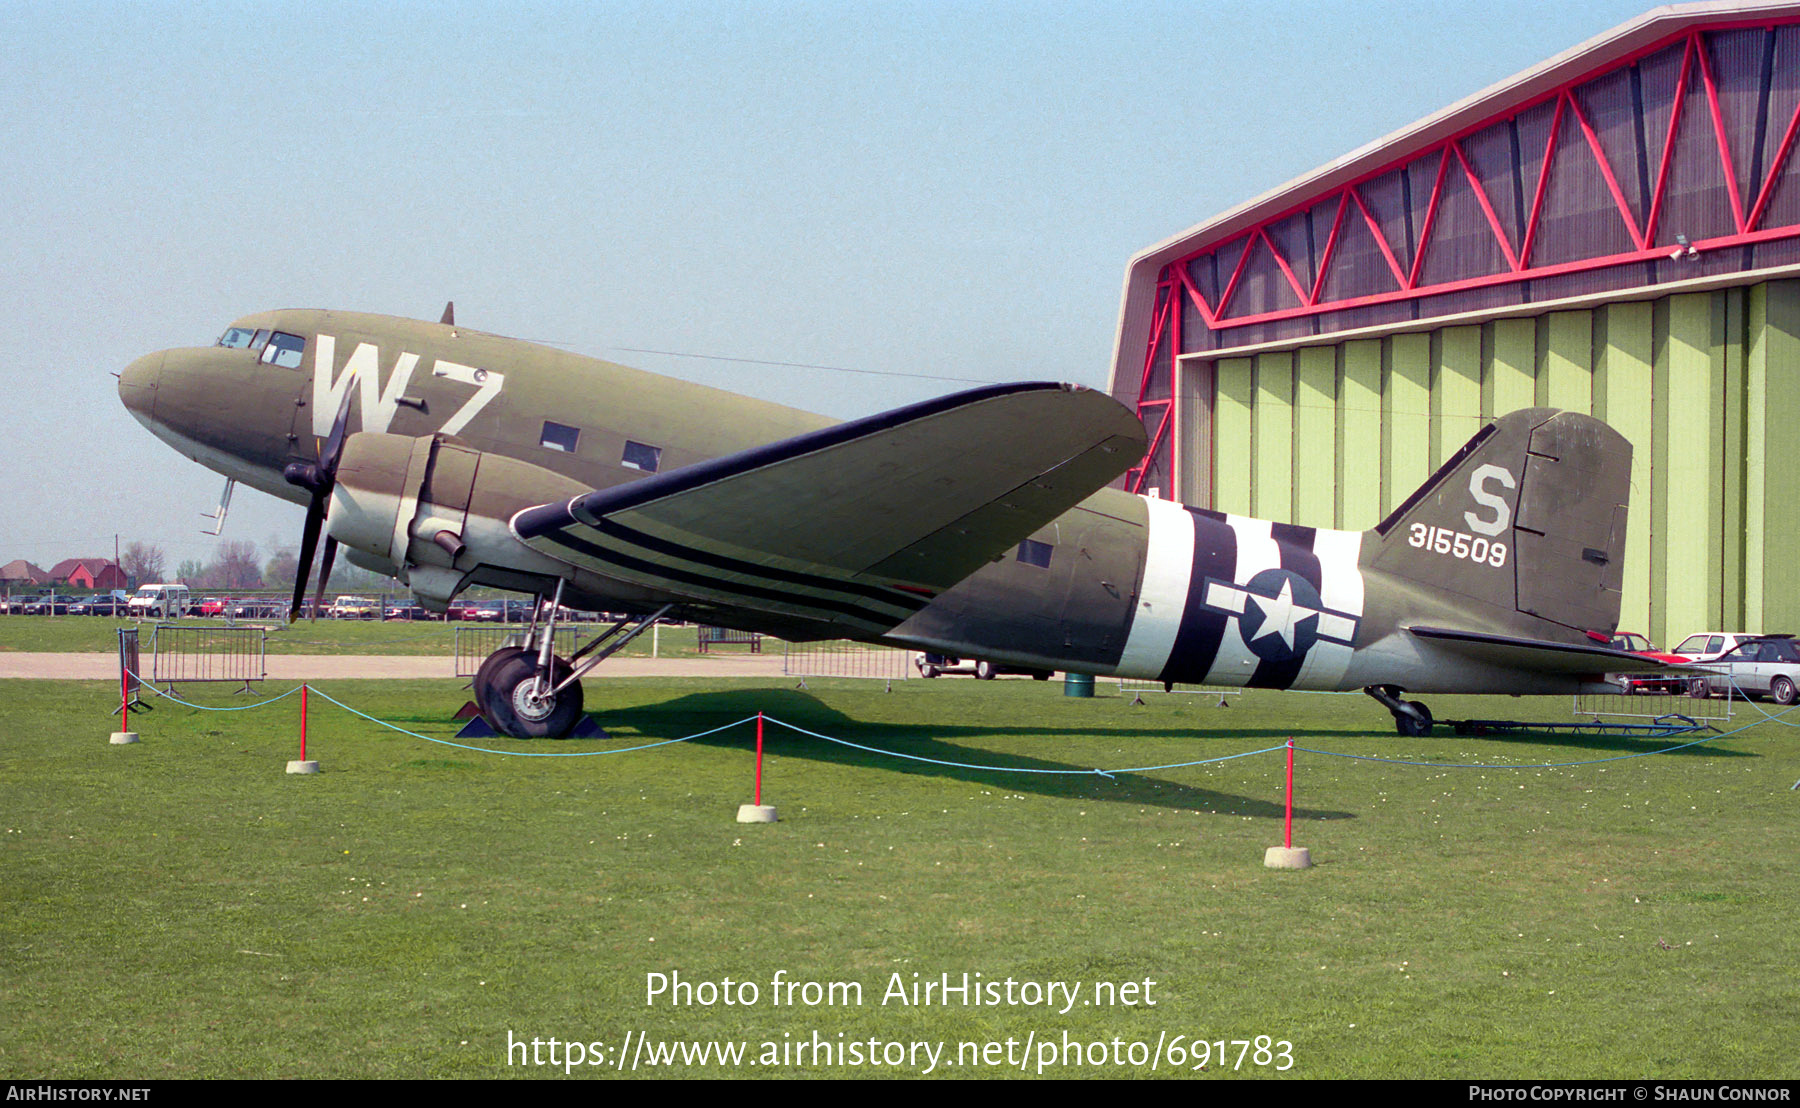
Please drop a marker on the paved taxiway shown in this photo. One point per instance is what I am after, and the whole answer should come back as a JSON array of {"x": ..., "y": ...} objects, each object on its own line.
[{"x": 322, "y": 667}]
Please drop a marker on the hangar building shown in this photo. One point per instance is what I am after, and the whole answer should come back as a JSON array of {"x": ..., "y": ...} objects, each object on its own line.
[{"x": 1615, "y": 231}]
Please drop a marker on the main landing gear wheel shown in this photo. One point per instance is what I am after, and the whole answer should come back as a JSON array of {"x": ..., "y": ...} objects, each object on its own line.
[
  {"x": 515, "y": 703},
  {"x": 984, "y": 671},
  {"x": 483, "y": 685}
]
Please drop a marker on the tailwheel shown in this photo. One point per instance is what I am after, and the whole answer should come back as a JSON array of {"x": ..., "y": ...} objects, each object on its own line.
[
  {"x": 1411, "y": 718},
  {"x": 1414, "y": 723},
  {"x": 516, "y": 702}
]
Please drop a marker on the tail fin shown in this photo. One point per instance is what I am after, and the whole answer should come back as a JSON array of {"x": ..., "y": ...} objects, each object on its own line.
[{"x": 1525, "y": 525}]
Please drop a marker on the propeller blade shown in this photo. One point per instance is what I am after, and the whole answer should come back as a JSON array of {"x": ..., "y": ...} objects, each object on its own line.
[
  {"x": 331, "y": 545},
  {"x": 334, "y": 443},
  {"x": 319, "y": 479},
  {"x": 309, "y": 541}
]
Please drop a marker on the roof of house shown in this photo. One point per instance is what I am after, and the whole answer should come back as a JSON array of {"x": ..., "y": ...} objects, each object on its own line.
[
  {"x": 66, "y": 568},
  {"x": 22, "y": 570}
]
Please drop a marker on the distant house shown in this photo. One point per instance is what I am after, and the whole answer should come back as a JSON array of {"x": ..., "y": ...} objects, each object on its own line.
[
  {"x": 21, "y": 572},
  {"x": 89, "y": 573}
]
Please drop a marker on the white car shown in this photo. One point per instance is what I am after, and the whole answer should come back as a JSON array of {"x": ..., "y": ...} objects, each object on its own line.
[
  {"x": 932, "y": 665},
  {"x": 1766, "y": 665},
  {"x": 1710, "y": 646}
]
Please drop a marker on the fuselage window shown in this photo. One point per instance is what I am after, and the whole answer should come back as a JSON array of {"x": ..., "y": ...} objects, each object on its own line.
[
  {"x": 1034, "y": 553},
  {"x": 639, "y": 456},
  {"x": 284, "y": 350},
  {"x": 558, "y": 437},
  {"x": 237, "y": 337}
]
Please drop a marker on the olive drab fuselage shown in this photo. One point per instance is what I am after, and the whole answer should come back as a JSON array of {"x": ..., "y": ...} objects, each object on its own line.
[{"x": 456, "y": 432}]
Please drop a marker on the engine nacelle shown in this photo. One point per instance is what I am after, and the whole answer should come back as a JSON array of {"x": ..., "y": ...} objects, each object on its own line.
[{"x": 434, "y": 510}]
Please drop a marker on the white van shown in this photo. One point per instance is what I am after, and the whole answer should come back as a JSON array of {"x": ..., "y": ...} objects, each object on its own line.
[{"x": 160, "y": 602}]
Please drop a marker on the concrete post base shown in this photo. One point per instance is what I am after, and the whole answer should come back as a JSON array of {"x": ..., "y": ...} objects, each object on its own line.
[
  {"x": 120, "y": 738},
  {"x": 1284, "y": 857},
  {"x": 303, "y": 767},
  {"x": 756, "y": 813}
]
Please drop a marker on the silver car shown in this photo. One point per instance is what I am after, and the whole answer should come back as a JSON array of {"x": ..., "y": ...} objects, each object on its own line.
[{"x": 1768, "y": 666}]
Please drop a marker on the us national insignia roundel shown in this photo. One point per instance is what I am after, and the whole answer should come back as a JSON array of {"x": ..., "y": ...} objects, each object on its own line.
[{"x": 1228, "y": 600}]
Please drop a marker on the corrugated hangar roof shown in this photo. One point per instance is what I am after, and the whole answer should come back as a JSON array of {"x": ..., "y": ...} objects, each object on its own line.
[{"x": 1653, "y": 30}]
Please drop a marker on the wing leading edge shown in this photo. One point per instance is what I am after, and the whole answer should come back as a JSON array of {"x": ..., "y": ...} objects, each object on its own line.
[{"x": 856, "y": 525}]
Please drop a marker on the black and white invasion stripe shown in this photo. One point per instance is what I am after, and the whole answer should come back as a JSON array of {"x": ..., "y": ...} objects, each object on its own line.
[{"x": 1228, "y": 600}]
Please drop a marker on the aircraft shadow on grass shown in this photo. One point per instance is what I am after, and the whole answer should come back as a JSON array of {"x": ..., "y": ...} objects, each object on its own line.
[{"x": 685, "y": 715}]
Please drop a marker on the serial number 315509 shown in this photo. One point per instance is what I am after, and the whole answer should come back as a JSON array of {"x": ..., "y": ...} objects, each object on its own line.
[{"x": 1457, "y": 544}]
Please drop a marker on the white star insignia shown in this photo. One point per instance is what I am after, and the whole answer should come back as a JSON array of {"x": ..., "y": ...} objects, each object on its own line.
[{"x": 1280, "y": 614}]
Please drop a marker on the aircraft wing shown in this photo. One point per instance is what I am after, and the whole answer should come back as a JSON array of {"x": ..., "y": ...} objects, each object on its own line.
[{"x": 860, "y": 524}]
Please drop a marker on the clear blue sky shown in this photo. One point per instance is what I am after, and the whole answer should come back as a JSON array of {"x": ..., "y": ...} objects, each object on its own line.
[{"x": 933, "y": 188}]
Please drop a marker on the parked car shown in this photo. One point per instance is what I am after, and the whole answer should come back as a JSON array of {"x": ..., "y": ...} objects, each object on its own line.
[
  {"x": 162, "y": 601},
  {"x": 487, "y": 611},
  {"x": 1710, "y": 646},
  {"x": 100, "y": 604},
  {"x": 1767, "y": 666},
  {"x": 1652, "y": 681},
  {"x": 51, "y": 604},
  {"x": 935, "y": 665},
  {"x": 258, "y": 607},
  {"x": 213, "y": 606},
  {"x": 355, "y": 607}
]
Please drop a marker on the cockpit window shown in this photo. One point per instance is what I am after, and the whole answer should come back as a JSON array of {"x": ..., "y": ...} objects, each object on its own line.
[
  {"x": 284, "y": 350},
  {"x": 236, "y": 337}
]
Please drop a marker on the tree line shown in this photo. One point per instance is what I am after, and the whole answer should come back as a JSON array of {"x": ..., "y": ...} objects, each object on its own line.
[{"x": 236, "y": 566}]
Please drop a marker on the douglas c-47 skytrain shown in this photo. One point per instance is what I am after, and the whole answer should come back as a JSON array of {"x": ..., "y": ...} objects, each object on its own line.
[{"x": 977, "y": 525}]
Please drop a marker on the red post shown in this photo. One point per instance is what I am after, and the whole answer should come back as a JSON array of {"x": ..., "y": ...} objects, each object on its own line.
[
  {"x": 1288, "y": 840},
  {"x": 303, "y": 723},
  {"x": 759, "y": 718}
]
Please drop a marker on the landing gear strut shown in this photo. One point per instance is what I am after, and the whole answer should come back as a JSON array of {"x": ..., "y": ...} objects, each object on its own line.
[
  {"x": 527, "y": 692},
  {"x": 1411, "y": 718}
]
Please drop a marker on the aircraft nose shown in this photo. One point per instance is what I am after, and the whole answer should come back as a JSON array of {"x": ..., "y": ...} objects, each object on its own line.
[{"x": 137, "y": 385}]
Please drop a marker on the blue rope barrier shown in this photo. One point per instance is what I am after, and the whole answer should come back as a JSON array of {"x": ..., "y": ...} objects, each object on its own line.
[
  {"x": 531, "y": 753},
  {"x": 1096, "y": 772},
  {"x": 1015, "y": 769}
]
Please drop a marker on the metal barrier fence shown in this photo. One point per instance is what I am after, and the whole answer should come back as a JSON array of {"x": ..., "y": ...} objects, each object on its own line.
[
  {"x": 842, "y": 658},
  {"x": 1137, "y": 687},
  {"x": 1655, "y": 705},
  {"x": 1705, "y": 698},
  {"x": 474, "y": 643},
  {"x": 130, "y": 670},
  {"x": 191, "y": 654}
]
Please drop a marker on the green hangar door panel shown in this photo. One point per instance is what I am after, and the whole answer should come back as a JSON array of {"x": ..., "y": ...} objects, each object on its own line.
[{"x": 1575, "y": 487}]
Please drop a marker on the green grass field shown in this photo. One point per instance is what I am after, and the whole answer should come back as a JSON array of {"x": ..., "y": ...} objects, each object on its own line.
[{"x": 183, "y": 908}]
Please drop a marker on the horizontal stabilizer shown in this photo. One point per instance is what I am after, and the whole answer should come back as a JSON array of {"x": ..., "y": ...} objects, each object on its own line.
[
  {"x": 1540, "y": 655},
  {"x": 858, "y": 524}
]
